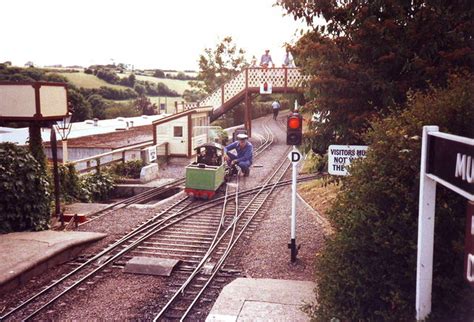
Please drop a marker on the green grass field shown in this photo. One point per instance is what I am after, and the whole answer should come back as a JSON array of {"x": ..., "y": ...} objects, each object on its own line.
[
  {"x": 169, "y": 101},
  {"x": 175, "y": 84},
  {"x": 81, "y": 79}
]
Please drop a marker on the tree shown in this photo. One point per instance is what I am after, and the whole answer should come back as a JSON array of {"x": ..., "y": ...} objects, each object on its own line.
[
  {"x": 98, "y": 106},
  {"x": 366, "y": 270},
  {"x": 81, "y": 109},
  {"x": 217, "y": 66},
  {"x": 191, "y": 95},
  {"x": 370, "y": 53},
  {"x": 159, "y": 74},
  {"x": 140, "y": 89},
  {"x": 144, "y": 105}
]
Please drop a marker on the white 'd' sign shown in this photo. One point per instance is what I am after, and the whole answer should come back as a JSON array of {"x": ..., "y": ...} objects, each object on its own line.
[
  {"x": 341, "y": 156},
  {"x": 294, "y": 156}
]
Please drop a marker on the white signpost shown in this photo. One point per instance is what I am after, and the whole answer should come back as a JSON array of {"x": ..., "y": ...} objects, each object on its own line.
[
  {"x": 294, "y": 156},
  {"x": 448, "y": 161},
  {"x": 341, "y": 156}
]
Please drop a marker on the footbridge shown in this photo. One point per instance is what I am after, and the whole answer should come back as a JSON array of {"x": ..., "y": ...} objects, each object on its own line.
[{"x": 247, "y": 84}]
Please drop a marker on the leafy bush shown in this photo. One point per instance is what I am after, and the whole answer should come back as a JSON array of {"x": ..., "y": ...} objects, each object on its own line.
[
  {"x": 116, "y": 94},
  {"x": 117, "y": 109},
  {"x": 70, "y": 183},
  {"x": 129, "y": 169},
  {"x": 97, "y": 186},
  {"x": 367, "y": 269},
  {"x": 107, "y": 75},
  {"x": 25, "y": 196}
]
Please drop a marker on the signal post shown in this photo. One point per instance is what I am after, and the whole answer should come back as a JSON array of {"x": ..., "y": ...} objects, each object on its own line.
[{"x": 294, "y": 137}]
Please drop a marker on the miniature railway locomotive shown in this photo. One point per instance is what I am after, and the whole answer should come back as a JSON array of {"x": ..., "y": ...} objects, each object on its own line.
[{"x": 205, "y": 175}]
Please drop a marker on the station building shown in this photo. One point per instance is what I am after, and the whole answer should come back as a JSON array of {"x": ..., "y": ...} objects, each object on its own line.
[{"x": 182, "y": 131}]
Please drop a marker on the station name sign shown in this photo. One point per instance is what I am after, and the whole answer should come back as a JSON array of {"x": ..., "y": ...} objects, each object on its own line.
[
  {"x": 452, "y": 162},
  {"x": 446, "y": 159}
]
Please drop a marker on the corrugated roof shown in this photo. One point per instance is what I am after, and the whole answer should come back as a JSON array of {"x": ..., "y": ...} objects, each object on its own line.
[{"x": 96, "y": 135}]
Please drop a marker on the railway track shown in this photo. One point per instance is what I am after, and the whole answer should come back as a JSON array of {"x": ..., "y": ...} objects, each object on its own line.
[
  {"x": 210, "y": 226},
  {"x": 136, "y": 199},
  {"x": 240, "y": 215},
  {"x": 134, "y": 243},
  {"x": 267, "y": 141}
]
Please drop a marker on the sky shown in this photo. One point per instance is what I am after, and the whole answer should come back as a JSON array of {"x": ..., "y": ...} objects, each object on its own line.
[{"x": 145, "y": 33}]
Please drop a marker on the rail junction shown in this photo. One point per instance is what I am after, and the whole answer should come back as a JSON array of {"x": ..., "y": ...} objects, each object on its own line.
[{"x": 201, "y": 235}]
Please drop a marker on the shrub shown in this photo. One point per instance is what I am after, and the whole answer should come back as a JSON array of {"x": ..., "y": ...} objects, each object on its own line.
[
  {"x": 116, "y": 94},
  {"x": 129, "y": 169},
  {"x": 25, "y": 196},
  {"x": 117, "y": 109},
  {"x": 367, "y": 269},
  {"x": 70, "y": 183},
  {"x": 97, "y": 186}
]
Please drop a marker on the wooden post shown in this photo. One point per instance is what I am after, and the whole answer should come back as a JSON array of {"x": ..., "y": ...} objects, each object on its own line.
[
  {"x": 222, "y": 94},
  {"x": 97, "y": 165},
  {"x": 248, "y": 113},
  {"x": 54, "y": 152},
  {"x": 426, "y": 225}
]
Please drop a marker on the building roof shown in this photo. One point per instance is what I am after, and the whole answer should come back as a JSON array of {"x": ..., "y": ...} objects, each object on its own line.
[{"x": 111, "y": 133}]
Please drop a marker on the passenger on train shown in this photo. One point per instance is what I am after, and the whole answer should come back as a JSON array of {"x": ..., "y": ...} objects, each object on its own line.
[{"x": 244, "y": 156}]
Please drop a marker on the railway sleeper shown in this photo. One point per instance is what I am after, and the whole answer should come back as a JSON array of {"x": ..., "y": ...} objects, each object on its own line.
[
  {"x": 187, "y": 257},
  {"x": 179, "y": 250},
  {"x": 199, "y": 246}
]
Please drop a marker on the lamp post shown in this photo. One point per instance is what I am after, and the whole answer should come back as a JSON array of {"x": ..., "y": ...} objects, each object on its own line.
[{"x": 63, "y": 128}]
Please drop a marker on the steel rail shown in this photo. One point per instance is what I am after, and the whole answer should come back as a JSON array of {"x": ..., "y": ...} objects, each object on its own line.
[
  {"x": 229, "y": 249},
  {"x": 212, "y": 247},
  {"x": 153, "y": 225},
  {"x": 118, "y": 243},
  {"x": 134, "y": 199}
]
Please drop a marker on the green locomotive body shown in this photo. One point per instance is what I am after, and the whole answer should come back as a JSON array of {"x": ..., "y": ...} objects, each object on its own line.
[{"x": 205, "y": 175}]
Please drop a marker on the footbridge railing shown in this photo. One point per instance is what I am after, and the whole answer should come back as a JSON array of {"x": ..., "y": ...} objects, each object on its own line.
[{"x": 249, "y": 80}]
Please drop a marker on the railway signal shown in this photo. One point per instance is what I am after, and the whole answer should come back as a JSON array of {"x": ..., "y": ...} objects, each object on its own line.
[{"x": 294, "y": 129}]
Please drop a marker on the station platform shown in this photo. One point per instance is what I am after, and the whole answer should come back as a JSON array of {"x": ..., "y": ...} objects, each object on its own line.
[
  {"x": 251, "y": 299},
  {"x": 24, "y": 255}
]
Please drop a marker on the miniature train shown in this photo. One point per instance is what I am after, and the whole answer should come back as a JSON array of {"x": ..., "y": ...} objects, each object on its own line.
[{"x": 207, "y": 174}]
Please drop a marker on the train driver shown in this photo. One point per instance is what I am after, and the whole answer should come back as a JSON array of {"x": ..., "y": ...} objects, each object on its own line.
[{"x": 244, "y": 153}]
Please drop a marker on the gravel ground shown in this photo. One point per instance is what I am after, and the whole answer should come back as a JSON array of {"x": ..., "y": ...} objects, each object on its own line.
[
  {"x": 125, "y": 296},
  {"x": 266, "y": 254}
]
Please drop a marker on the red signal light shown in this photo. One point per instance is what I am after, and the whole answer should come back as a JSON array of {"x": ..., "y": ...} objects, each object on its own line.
[
  {"x": 294, "y": 130},
  {"x": 294, "y": 123}
]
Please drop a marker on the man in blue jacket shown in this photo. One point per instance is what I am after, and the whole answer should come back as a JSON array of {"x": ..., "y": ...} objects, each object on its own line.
[{"x": 244, "y": 153}]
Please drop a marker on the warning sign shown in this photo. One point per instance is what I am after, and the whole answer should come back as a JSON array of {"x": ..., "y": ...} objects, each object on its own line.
[{"x": 341, "y": 156}]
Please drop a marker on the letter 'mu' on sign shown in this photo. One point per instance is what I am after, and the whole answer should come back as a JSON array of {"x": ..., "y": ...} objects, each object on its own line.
[{"x": 464, "y": 167}]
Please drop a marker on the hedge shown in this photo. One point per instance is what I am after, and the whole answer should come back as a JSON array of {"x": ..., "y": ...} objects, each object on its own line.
[{"x": 367, "y": 270}]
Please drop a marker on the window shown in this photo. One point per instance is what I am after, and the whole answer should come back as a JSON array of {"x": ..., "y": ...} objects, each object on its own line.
[{"x": 178, "y": 131}]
